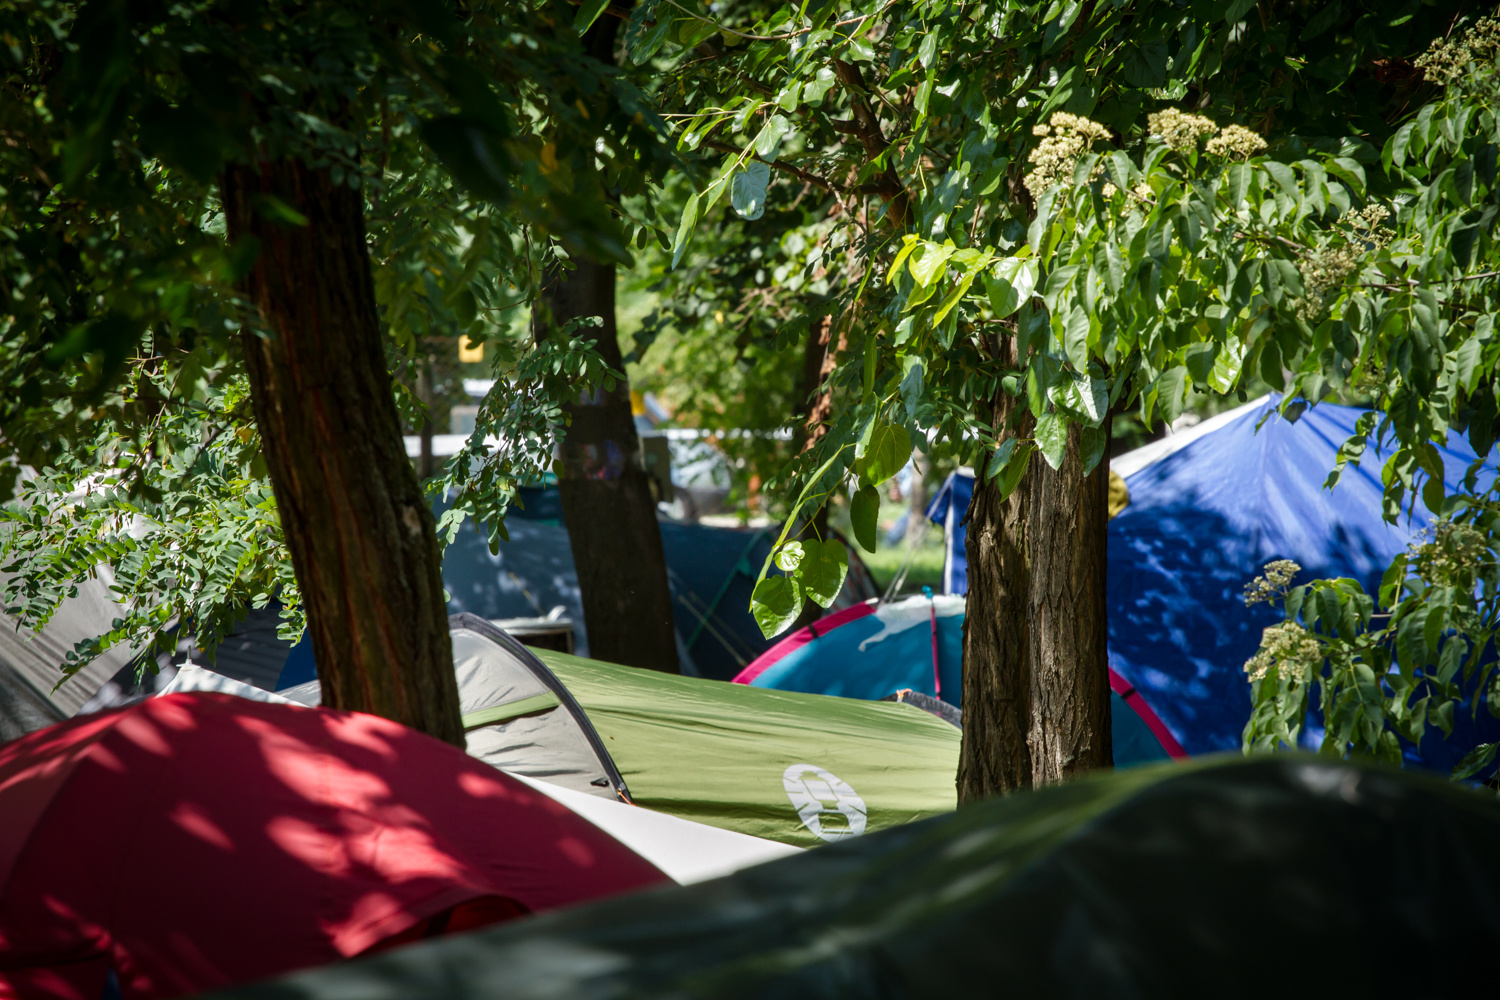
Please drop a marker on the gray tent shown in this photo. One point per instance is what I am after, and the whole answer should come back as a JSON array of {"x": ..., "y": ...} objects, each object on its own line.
[
  {"x": 30, "y": 695},
  {"x": 508, "y": 698}
]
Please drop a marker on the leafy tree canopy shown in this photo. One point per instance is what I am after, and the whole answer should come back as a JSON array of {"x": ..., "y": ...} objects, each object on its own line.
[{"x": 475, "y": 135}]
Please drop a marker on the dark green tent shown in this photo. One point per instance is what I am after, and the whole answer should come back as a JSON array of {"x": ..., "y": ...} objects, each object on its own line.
[{"x": 1277, "y": 876}]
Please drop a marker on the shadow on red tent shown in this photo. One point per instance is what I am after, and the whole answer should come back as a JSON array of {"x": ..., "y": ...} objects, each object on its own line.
[{"x": 199, "y": 840}]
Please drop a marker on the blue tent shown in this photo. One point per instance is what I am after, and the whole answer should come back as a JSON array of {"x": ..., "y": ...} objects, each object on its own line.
[
  {"x": 873, "y": 650},
  {"x": 1208, "y": 508}
]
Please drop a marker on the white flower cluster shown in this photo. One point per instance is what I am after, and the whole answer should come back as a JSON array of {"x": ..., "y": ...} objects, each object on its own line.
[
  {"x": 1371, "y": 217},
  {"x": 1456, "y": 551},
  {"x": 1236, "y": 142},
  {"x": 1064, "y": 138},
  {"x": 1179, "y": 129},
  {"x": 1290, "y": 648},
  {"x": 1453, "y": 60},
  {"x": 1323, "y": 274},
  {"x": 1272, "y": 584}
]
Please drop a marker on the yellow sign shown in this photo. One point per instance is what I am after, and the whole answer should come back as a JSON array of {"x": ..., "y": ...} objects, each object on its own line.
[{"x": 469, "y": 351}]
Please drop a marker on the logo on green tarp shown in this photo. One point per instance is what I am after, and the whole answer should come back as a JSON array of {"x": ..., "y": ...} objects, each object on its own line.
[{"x": 825, "y": 803}]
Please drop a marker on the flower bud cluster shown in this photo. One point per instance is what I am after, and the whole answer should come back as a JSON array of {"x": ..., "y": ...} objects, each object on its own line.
[
  {"x": 1454, "y": 60},
  {"x": 1179, "y": 129},
  {"x": 1065, "y": 138},
  {"x": 1290, "y": 648},
  {"x": 1272, "y": 584},
  {"x": 1236, "y": 142},
  {"x": 1323, "y": 274}
]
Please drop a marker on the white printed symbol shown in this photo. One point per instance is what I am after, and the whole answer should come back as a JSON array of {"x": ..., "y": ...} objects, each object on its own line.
[{"x": 820, "y": 798}]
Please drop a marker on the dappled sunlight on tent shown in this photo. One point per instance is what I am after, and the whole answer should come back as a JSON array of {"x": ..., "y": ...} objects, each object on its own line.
[{"x": 315, "y": 834}]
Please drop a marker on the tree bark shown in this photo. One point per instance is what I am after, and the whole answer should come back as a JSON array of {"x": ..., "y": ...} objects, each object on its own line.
[
  {"x": 819, "y": 359},
  {"x": 1036, "y": 671},
  {"x": 995, "y": 755},
  {"x": 606, "y": 496},
  {"x": 361, "y": 535},
  {"x": 1070, "y": 707}
]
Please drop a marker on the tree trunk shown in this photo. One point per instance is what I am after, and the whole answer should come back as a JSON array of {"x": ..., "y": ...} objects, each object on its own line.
[
  {"x": 995, "y": 756},
  {"x": 362, "y": 538},
  {"x": 1036, "y": 673},
  {"x": 815, "y": 402},
  {"x": 606, "y": 497},
  {"x": 1067, "y": 618}
]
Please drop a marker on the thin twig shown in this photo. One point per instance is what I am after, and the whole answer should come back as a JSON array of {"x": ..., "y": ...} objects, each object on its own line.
[
  {"x": 778, "y": 38},
  {"x": 1413, "y": 282},
  {"x": 800, "y": 174}
]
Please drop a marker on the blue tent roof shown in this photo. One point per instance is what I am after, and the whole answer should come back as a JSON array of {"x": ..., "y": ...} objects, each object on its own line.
[{"x": 1202, "y": 521}]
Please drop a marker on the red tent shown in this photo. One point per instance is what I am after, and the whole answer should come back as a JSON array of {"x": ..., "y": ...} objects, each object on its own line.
[{"x": 199, "y": 840}]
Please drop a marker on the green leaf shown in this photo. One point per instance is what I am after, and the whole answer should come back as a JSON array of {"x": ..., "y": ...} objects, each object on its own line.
[
  {"x": 1200, "y": 360},
  {"x": 821, "y": 575},
  {"x": 953, "y": 298},
  {"x": 1466, "y": 364},
  {"x": 787, "y": 98},
  {"x": 1091, "y": 444},
  {"x": 1076, "y": 339},
  {"x": 1239, "y": 183},
  {"x": 864, "y": 513},
  {"x": 790, "y": 556},
  {"x": 1009, "y": 284},
  {"x": 775, "y": 603},
  {"x": 747, "y": 191},
  {"x": 1171, "y": 387},
  {"x": 649, "y": 41},
  {"x": 588, "y": 13},
  {"x": 685, "y": 228},
  {"x": 887, "y": 454},
  {"x": 1052, "y": 438},
  {"x": 909, "y": 243},
  {"x": 927, "y": 261},
  {"x": 1395, "y": 149},
  {"x": 465, "y": 307},
  {"x": 911, "y": 383},
  {"x": 1014, "y": 469},
  {"x": 1475, "y": 761},
  {"x": 814, "y": 91},
  {"x": 768, "y": 142}
]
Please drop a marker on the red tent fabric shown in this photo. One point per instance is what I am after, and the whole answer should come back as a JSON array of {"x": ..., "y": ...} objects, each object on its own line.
[{"x": 198, "y": 840}]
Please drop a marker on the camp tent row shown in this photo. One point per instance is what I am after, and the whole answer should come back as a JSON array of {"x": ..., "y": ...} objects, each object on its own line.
[
  {"x": 793, "y": 768},
  {"x": 711, "y": 571}
]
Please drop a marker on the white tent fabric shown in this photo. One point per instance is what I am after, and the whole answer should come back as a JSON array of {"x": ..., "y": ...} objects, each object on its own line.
[
  {"x": 192, "y": 677},
  {"x": 688, "y": 852}
]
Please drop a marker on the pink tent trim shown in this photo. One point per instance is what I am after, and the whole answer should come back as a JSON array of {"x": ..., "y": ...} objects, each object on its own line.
[
  {"x": 801, "y": 638},
  {"x": 1132, "y": 697}
]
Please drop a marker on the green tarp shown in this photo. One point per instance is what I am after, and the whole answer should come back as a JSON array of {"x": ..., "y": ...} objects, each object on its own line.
[{"x": 798, "y": 768}]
